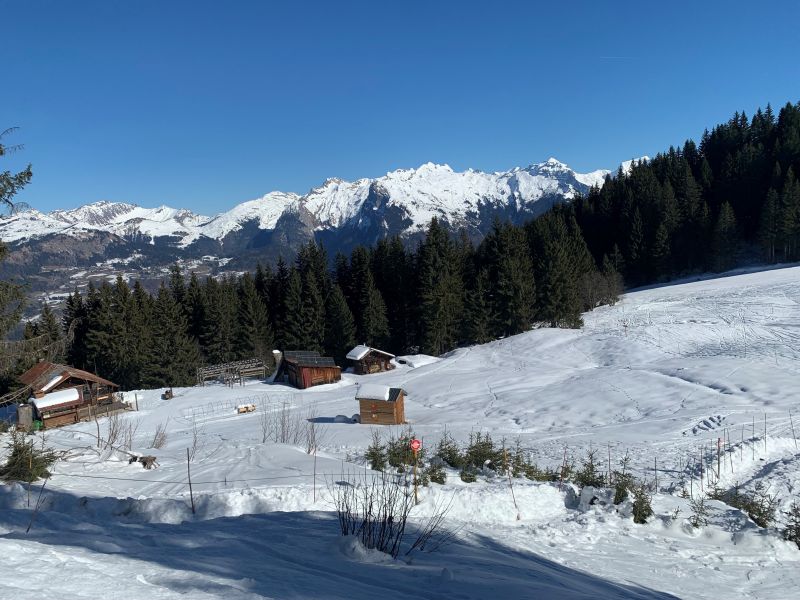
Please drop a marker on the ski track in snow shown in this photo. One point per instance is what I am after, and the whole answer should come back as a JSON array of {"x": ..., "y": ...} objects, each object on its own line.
[{"x": 662, "y": 375}]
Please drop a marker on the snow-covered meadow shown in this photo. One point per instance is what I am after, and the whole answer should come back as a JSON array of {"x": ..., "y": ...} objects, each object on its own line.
[{"x": 663, "y": 375}]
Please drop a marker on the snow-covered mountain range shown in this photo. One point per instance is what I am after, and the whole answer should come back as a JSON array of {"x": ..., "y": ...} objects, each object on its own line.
[
  {"x": 414, "y": 195},
  {"x": 341, "y": 214}
]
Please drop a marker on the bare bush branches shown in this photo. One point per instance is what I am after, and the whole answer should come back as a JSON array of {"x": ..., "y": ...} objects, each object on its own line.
[
  {"x": 287, "y": 425},
  {"x": 376, "y": 509},
  {"x": 195, "y": 433},
  {"x": 160, "y": 435},
  {"x": 128, "y": 434},
  {"x": 113, "y": 431}
]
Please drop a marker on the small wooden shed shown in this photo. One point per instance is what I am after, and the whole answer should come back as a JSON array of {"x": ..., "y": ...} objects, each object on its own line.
[
  {"x": 368, "y": 360},
  {"x": 61, "y": 394},
  {"x": 380, "y": 404},
  {"x": 304, "y": 369}
]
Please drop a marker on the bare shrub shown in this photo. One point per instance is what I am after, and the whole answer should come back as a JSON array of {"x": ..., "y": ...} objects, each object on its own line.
[
  {"x": 114, "y": 426},
  {"x": 129, "y": 429},
  {"x": 313, "y": 436},
  {"x": 160, "y": 435},
  {"x": 287, "y": 425},
  {"x": 195, "y": 433},
  {"x": 376, "y": 510},
  {"x": 265, "y": 420}
]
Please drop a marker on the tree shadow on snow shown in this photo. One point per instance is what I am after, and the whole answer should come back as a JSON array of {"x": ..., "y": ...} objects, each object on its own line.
[{"x": 292, "y": 555}]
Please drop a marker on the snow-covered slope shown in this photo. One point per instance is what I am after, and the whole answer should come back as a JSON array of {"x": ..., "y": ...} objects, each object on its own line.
[
  {"x": 416, "y": 195},
  {"x": 661, "y": 376}
]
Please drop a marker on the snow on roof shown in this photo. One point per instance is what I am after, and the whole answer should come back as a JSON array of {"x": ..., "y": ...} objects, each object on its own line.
[
  {"x": 58, "y": 378},
  {"x": 56, "y": 398},
  {"x": 372, "y": 391},
  {"x": 358, "y": 352},
  {"x": 361, "y": 351}
]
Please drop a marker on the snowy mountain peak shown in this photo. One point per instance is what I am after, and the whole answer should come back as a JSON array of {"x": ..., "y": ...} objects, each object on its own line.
[{"x": 401, "y": 202}]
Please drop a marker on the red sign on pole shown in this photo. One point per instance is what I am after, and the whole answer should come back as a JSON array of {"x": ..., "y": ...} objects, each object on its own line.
[{"x": 416, "y": 445}]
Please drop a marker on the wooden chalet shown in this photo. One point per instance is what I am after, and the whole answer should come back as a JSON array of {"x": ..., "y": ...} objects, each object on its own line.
[
  {"x": 368, "y": 360},
  {"x": 304, "y": 369},
  {"x": 380, "y": 404},
  {"x": 60, "y": 394}
]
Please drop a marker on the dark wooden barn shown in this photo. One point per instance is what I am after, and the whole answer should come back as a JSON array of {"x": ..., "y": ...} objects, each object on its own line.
[
  {"x": 381, "y": 405},
  {"x": 61, "y": 394},
  {"x": 304, "y": 369},
  {"x": 368, "y": 360}
]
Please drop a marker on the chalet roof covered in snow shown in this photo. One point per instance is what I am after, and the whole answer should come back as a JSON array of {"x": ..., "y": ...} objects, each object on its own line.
[
  {"x": 44, "y": 376},
  {"x": 373, "y": 391},
  {"x": 66, "y": 396},
  {"x": 360, "y": 351}
]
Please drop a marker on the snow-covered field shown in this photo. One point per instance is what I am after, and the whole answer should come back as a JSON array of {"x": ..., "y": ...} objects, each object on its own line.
[{"x": 663, "y": 375}]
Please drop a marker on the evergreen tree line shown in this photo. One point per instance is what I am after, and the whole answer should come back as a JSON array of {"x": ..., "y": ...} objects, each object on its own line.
[
  {"x": 735, "y": 198},
  {"x": 440, "y": 295},
  {"x": 689, "y": 209}
]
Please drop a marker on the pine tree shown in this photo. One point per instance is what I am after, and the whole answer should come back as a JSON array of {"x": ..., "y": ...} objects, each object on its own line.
[
  {"x": 770, "y": 231},
  {"x": 440, "y": 288},
  {"x": 195, "y": 307},
  {"x": 790, "y": 217},
  {"x": 175, "y": 354},
  {"x": 142, "y": 330},
  {"x": 365, "y": 301},
  {"x": 312, "y": 314},
  {"x": 254, "y": 339},
  {"x": 375, "y": 326},
  {"x": 477, "y": 312},
  {"x": 507, "y": 258},
  {"x": 48, "y": 326},
  {"x": 558, "y": 302},
  {"x": 177, "y": 286},
  {"x": 293, "y": 328},
  {"x": 75, "y": 319},
  {"x": 12, "y": 295},
  {"x": 108, "y": 339},
  {"x": 277, "y": 309},
  {"x": 219, "y": 324},
  {"x": 725, "y": 240},
  {"x": 339, "y": 326}
]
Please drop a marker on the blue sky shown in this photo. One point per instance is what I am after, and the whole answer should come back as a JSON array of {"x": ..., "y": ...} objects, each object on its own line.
[{"x": 206, "y": 104}]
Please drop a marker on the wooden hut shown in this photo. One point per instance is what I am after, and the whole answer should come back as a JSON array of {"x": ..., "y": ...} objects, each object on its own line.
[
  {"x": 368, "y": 360},
  {"x": 61, "y": 394},
  {"x": 304, "y": 369},
  {"x": 380, "y": 404}
]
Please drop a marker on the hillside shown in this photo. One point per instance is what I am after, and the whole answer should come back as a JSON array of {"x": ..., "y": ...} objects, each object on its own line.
[{"x": 662, "y": 375}]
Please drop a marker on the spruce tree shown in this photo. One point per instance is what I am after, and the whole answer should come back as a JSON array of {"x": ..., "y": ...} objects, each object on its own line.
[
  {"x": 312, "y": 314},
  {"x": 440, "y": 291},
  {"x": 512, "y": 298},
  {"x": 293, "y": 328},
  {"x": 478, "y": 317},
  {"x": 75, "y": 324},
  {"x": 195, "y": 307},
  {"x": 340, "y": 327},
  {"x": 254, "y": 339},
  {"x": 725, "y": 240},
  {"x": 175, "y": 356},
  {"x": 277, "y": 308},
  {"x": 770, "y": 230},
  {"x": 219, "y": 324}
]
